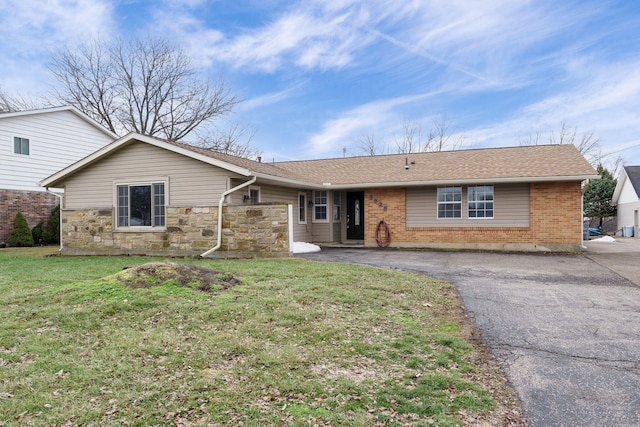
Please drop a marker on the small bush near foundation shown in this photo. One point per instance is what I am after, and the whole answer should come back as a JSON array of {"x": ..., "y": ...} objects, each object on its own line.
[
  {"x": 38, "y": 233},
  {"x": 21, "y": 233},
  {"x": 52, "y": 234}
]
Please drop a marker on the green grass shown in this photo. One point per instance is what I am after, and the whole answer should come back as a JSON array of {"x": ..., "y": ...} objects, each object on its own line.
[{"x": 295, "y": 343}]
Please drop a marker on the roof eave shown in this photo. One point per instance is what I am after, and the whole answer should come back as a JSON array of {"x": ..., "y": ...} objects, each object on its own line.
[
  {"x": 616, "y": 192},
  {"x": 461, "y": 181},
  {"x": 57, "y": 177},
  {"x": 288, "y": 181}
]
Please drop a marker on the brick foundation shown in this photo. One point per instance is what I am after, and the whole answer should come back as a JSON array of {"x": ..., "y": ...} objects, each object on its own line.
[
  {"x": 555, "y": 223},
  {"x": 255, "y": 230},
  {"x": 36, "y": 206}
]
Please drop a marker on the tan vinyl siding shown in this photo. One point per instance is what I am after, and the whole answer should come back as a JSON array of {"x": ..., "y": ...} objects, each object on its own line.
[
  {"x": 279, "y": 194},
  {"x": 511, "y": 208},
  {"x": 191, "y": 182},
  {"x": 322, "y": 232}
]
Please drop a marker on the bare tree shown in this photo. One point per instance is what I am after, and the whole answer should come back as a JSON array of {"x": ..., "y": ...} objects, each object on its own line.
[
  {"x": 442, "y": 136},
  {"x": 10, "y": 104},
  {"x": 586, "y": 142},
  {"x": 146, "y": 86},
  {"x": 411, "y": 138},
  {"x": 235, "y": 141},
  {"x": 439, "y": 138},
  {"x": 369, "y": 146}
]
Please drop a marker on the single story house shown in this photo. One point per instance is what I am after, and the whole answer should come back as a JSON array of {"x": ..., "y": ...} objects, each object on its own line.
[
  {"x": 142, "y": 195},
  {"x": 626, "y": 197},
  {"x": 33, "y": 145}
]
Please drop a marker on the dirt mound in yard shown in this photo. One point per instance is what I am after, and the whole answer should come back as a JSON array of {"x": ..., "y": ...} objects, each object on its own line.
[{"x": 192, "y": 276}]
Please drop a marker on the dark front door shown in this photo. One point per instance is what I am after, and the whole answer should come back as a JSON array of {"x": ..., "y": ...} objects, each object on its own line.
[{"x": 355, "y": 215}]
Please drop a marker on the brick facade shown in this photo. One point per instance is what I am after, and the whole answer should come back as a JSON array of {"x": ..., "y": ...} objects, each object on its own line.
[
  {"x": 555, "y": 223},
  {"x": 189, "y": 232},
  {"x": 36, "y": 206}
]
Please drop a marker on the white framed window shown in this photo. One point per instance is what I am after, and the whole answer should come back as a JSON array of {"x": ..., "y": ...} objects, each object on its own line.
[
  {"x": 302, "y": 208},
  {"x": 20, "y": 145},
  {"x": 254, "y": 194},
  {"x": 141, "y": 205},
  {"x": 450, "y": 202},
  {"x": 336, "y": 206},
  {"x": 320, "y": 213},
  {"x": 480, "y": 201}
]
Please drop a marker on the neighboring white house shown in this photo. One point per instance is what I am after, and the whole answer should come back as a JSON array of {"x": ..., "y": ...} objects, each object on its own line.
[
  {"x": 627, "y": 198},
  {"x": 33, "y": 145}
]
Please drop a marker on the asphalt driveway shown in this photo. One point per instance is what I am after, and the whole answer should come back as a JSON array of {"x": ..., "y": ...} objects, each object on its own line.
[{"x": 566, "y": 327}]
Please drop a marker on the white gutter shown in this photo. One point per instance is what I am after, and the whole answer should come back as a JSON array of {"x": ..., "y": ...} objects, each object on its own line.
[
  {"x": 59, "y": 196},
  {"x": 224, "y": 195}
]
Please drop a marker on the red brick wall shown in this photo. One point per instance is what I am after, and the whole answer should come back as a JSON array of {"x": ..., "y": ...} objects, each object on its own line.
[
  {"x": 36, "y": 206},
  {"x": 555, "y": 220}
]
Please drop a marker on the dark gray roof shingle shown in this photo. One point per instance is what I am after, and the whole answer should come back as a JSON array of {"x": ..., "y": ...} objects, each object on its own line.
[{"x": 633, "y": 173}]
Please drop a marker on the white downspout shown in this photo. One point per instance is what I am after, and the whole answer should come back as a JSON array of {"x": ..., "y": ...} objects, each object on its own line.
[
  {"x": 59, "y": 196},
  {"x": 224, "y": 195}
]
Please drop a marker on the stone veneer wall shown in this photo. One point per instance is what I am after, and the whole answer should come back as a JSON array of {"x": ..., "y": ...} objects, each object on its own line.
[
  {"x": 555, "y": 223},
  {"x": 255, "y": 230},
  {"x": 36, "y": 206}
]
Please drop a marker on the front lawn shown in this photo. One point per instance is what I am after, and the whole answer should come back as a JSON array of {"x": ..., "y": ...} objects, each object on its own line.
[{"x": 95, "y": 341}]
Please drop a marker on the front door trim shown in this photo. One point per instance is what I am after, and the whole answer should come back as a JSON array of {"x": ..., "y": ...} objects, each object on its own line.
[{"x": 355, "y": 216}]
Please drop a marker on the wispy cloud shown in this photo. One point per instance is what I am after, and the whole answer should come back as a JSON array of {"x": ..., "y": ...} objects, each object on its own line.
[
  {"x": 604, "y": 99},
  {"x": 268, "y": 99},
  {"x": 306, "y": 35},
  {"x": 31, "y": 29},
  {"x": 302, "y": 37},
  {"x": 40, "y": 25},
  {"x": 381, "y": 117}
]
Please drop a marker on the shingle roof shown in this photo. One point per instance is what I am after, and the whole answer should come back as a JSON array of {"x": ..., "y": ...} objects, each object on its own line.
[
  {"x": 525, "y": 162},
  {"x": 633, "y": 173},
  {"x": 264, "y": 168},
  {"x": 515, "y": 164},
  {"x": 542, "y": 161}
]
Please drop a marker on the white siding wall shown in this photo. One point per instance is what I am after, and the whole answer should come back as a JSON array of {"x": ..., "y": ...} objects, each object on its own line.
[
  {"x": 56, "y": 140},
  {"x": 628, "y": 203},
  {"x": 627, "y": 193},
  {"x": 191, "y": 182},
  {"x": 626, "y": 212}
]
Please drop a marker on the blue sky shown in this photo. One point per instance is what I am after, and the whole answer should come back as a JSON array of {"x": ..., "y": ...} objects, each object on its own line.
[{"x": 317, "y": 76}]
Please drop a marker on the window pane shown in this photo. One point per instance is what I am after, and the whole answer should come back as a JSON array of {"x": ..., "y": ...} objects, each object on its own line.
[
  {"x": 20, "y": 145},
  {"x": 321, "y": 212},
  {"x": 123, "y": 206},
  {"x": 158, "y": 205},
  {"x": 254, "y": 196},
  {"x": 320, "y": 208},
  {"x": 140, "y": 205},
  {"x": 302, "y": 207},
  {"x": 481, "y": 201},
  {"x": 321, "y": 197},
  {"x": 449, "y": 202}
]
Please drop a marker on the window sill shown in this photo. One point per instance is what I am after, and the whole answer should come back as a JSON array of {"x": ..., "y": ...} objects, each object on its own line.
[{"x": 140, "y": 230}]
